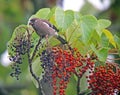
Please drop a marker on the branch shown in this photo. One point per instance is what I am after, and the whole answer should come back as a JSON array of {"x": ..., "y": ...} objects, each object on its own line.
[
  {"x": 35, "y": 50},
  {"x": 113, "y": 51},
  {"x": 31, "y": 59},
  {"x": 78, "y": 86},
  {"x": 5, "y": 90},
  {"x": 113, "y": 58},
  {"x": 78, "y": 83}
]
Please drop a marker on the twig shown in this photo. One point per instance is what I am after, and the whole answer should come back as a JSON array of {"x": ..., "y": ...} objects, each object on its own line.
[
  {"x": 78, "y": 86},
  {"x": 35, "y": 50},
  {"x": 113, "y": 51},
  {"x": 30, "y": 61},
  {"x": 113, "y": 58}
]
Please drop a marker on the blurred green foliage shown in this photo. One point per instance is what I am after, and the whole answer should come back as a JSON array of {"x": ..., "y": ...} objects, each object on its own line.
[{"x": 13, "y": 13}]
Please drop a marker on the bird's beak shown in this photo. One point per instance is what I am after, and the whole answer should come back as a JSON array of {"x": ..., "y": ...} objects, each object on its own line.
[{"x": 30, "y": 23}]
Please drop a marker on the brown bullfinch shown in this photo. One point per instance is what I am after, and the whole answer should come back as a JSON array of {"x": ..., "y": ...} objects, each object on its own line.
[{"x": 44, "y": 28}]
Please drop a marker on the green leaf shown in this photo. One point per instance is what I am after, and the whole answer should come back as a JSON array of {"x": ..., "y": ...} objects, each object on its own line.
[
  {"x": 59, "y": 17},
  {"x": 72, "y": 33},
  {"x": 101, "y": 53},
  {"x": 71, "y": 87},
  {"x": 18, "y": 33},
  {"x": 95, "y": 38},
  {"x": 69, "y": 17},
  {"x": 79, "y": 44},
  {"x": 37, "y": 66},
  {"x": 64, "y": 19},
  {"x": 77, "y": 16},
  {"x": 43, "y": 13},
  {"x": 73, "y": 36},
  {"x": 83, "y": 82},
  {"x": 102, "y": 24},
  {"x": 104, "y": 41},
  {"x": 109, "y": 36},
  {"x": 88, "y": 25},
  {"x": 53, "y": 41}
]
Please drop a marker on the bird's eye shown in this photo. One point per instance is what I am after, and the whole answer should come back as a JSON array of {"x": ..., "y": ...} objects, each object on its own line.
[{"x": 31, "y": 22}]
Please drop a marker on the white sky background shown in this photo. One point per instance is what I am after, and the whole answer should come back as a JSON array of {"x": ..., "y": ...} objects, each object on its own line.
[
  {"x": 5, "y": 59},
  {"x": 75, "y": 5},
  {"x": 101, "y": 6}
]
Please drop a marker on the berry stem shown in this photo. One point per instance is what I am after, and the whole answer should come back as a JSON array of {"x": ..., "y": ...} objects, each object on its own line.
[
  {"x": 35, "y": 50},
  {"x": 30, "y": 62},
  {"x": 78, "y": 86}
]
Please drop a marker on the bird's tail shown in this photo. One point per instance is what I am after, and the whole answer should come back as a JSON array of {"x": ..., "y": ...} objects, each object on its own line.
[{"x": 61, "y": 40}]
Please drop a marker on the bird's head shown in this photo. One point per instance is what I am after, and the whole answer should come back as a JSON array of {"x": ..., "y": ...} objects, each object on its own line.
[{"x": 32, "y": 21}]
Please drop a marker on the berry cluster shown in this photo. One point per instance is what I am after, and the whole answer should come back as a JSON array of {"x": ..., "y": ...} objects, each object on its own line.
[
  {"x": 47, "y": 60},
  {"x": 68, "y": 63},
  {"x": 105, "y": 80},
  {"x": 19, "y": 48},
  {"x": 59, "y": 65}
]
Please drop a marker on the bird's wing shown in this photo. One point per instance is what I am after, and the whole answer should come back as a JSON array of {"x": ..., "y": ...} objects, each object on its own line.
[{"x": 51, "y": 25}]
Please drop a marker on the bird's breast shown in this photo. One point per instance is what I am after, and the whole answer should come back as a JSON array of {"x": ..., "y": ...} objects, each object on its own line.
[{"x": 42, "y": 29}]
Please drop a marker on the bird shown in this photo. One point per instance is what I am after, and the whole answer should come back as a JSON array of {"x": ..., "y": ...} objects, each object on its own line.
[{"x": 45, "y": 29}]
